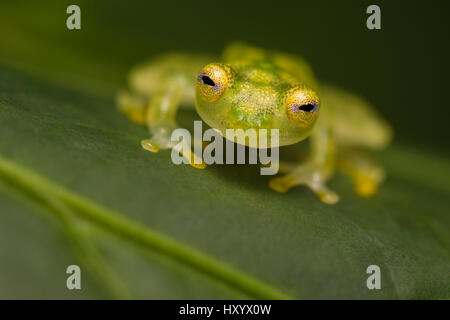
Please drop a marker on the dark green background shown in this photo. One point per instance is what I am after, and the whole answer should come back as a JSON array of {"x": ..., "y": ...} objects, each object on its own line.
[{"x": 402, "y": 69}]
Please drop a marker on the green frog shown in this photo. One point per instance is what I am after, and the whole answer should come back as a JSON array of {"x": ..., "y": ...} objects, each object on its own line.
[{"x": 254, "y": 88}]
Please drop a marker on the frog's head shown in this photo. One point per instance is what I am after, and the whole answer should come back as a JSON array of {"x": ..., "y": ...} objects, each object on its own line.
[{"x": 256, "y": 97}]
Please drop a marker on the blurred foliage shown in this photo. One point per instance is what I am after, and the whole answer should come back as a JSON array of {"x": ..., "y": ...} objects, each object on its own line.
[
  {"x": 57, "y": 118},
  {"x": 402, "y": 68}
]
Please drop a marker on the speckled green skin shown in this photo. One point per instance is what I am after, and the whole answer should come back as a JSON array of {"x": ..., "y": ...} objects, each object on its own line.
[
  {"x": 256, "y": 96},
  {"x": 258, "y": 84}
]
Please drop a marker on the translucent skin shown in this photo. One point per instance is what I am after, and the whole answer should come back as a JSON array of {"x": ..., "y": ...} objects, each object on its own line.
[
  {"x": 253, "y": 88},
  {"x": 260, "y": 86}
]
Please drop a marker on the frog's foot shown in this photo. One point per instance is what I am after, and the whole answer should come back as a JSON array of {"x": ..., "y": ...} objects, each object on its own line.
[
  {"x": 365, "y": 174},
  {"x": 133, "y": 106},
  {"x": 307, "y": 175},
  {"x": 161, "y": 140}
]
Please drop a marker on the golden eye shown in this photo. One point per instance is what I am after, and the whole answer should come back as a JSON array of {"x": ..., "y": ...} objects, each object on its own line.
[
  {"x": 213, "y": 80},
  {"x": 302, "y": 105}
]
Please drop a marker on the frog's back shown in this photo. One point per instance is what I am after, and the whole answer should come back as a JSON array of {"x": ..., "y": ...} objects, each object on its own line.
[
  {"x": 271, "y": 66},
  {"x": 353, "y": 120}
]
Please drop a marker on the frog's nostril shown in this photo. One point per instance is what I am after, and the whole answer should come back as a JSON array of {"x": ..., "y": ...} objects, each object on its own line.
[
  {"x": 307, "y": 108},
  {"x": 207, "y": 80}
]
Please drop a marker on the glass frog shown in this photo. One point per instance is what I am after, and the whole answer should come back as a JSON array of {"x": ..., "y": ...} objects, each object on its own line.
[{"x": 250, "y": 87}]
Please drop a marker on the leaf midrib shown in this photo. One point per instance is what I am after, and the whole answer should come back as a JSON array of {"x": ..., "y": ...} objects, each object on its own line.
[{"x": 133, "y": 231}]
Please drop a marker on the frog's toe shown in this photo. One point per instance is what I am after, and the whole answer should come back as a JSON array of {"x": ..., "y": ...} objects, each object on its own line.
[
  {"x": 150, "y": 145},
  {"x": 366, "y": 185},
  {"x": 365, "y": 174},
  {"x": 159, "y": 141},
  {"x": 306, "y": 175},
  {"x": 193, "y": 159},
  {"x": 162, "y": 141},
  {"x": 326, "y": 195},
  {"x": 154, "y": 145},
  {"x": 198, "y": 166},
  {"x": 281, "y": 184}
]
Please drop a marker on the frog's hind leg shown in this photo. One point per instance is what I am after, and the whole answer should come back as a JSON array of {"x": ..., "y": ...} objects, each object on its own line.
[
  {"x": 315, "y": 172},
  {"x": 133, "y": 105},
  {"x": 365, "y": 174}
]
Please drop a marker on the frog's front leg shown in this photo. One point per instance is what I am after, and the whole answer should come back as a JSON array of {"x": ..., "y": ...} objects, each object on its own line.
[
  {"x": 161, "y": 113},
  {"x": 158, "y": 112},
  {"x": 161, "y": 119},
  {"x": 315, "y": 172}
]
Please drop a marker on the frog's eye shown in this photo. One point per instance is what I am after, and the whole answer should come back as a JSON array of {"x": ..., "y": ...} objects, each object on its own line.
[
  {"x": 213, "y": 80},
  {"x": 302, "y": 105}
]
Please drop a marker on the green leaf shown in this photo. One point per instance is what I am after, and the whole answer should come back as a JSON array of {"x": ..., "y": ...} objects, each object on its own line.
[
  {"x": 221, "y": 226},
  {"x": 76, "y": 188}
]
